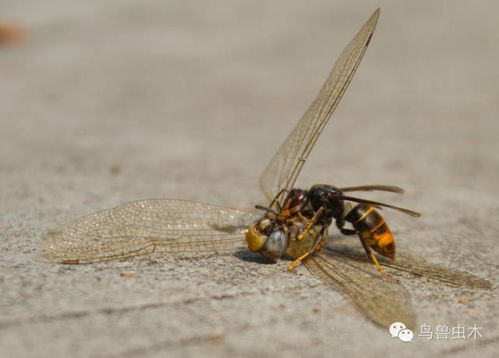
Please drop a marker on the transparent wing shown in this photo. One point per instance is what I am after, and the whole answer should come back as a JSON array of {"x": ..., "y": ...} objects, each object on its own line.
[
  {"x": 411, "y": 265},
  {"x": 170, "y": 227},
  {"x": 349, "y": 271},
  {"x": 283, "y": 169},
  {"x": 381, "y": 300}
]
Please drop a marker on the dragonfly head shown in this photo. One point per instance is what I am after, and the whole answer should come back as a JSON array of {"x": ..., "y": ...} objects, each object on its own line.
[{"x": 264, "y": 237}]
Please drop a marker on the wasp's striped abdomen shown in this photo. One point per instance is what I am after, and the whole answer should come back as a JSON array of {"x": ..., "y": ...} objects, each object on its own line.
[{"x": 372, "y": 229}]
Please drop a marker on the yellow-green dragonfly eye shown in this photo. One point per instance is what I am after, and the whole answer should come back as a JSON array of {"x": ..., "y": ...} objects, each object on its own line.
[{"x": 255, "y": 238}]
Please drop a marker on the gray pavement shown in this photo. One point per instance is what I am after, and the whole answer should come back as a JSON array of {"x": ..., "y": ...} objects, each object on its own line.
[{"x": 110, "y": 101}]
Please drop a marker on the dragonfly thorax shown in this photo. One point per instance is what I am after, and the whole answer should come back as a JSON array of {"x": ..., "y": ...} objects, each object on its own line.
[{"x": 286, "y": 231}]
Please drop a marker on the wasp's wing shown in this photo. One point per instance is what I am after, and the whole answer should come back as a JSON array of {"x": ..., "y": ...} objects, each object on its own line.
[
  {"x": 392, "y": 188},
  {"x": 171, "y": 227},
  {"x": 379, "y": 299},
  {"x": 283, "y": 169},
  {"x": 410, "y": 265}
]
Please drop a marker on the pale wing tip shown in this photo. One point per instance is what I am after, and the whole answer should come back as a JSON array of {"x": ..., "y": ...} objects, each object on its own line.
[
  {"x": 374, "y": 17},
  {"x": 409, "y": 319},
  {"x": 480, "y": 283},
  {"x": 55, "y": 247},
  {"x": 48, "y": 246}
]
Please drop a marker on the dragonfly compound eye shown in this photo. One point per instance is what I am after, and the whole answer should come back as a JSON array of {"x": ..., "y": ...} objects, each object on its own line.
[
  {"x": 275, "y": 245},
  {"x": 255, "y": 237}
]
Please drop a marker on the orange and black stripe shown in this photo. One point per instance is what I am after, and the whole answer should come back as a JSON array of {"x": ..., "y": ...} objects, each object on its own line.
[{"x": 373, "y": 229}]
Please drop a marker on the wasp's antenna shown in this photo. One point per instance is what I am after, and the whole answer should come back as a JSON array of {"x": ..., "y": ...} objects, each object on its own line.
[
  {"x": 392, "y": 188},
  {"x": 275, "y": 201}
]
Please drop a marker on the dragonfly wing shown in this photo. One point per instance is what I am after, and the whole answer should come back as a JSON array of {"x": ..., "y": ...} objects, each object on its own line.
[
  {"x": 283, "y": 169},
  {"x": 411, "y": 265},
  {"x": 419, "y": 267},
  {"x": 381, "y": 300},
  {"x": 170, "y": 227}
]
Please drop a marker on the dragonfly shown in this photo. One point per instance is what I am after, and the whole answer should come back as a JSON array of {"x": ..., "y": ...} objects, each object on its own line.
[{"x": 181, "y": 228}]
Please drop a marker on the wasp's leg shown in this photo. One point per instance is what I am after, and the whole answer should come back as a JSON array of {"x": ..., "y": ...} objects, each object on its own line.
[
  {"x": 375, "y": 261},
  {"x": 318, "y": 245},
  {"x": 311, "y": 223},
  {"x": 340, "y": 223}
]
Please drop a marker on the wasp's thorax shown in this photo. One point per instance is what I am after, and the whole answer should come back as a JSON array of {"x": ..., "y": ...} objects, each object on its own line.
[
  {"x": 328, "y": 197},
  {"x": 366, "y": 221}
]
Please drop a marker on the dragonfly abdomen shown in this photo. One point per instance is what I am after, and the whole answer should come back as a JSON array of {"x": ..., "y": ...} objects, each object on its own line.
[{"x": 300, "y": 239}]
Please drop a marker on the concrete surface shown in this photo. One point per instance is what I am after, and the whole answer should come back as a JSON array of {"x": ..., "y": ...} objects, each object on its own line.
[{"x": 110, "y": 101}]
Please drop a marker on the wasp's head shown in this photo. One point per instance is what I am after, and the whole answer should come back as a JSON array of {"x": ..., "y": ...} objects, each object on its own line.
[
  {"x": 328, "y": 197},
  {"x": 266, "y": 237}
]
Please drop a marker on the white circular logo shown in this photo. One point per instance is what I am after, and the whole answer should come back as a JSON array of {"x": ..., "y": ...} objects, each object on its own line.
[
  {"x": 406, "y": 335},
  {"x": 395, "y": 328}
]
